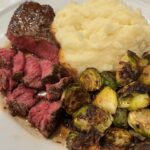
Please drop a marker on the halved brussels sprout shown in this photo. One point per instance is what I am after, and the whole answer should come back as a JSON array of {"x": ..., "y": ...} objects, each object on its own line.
[
  {"x": 83, "y": 141},
  {"x": 74, "y": 97},
  {"x": 91, "y": 79},
  {"x": 118, "y": 137},
  {"x": 127, "y": 69},
  {"x": 109, "y": 79},
  {"x": 145, "y": 76},
  {"x": 91, "y": 117},
  {"x": 106, "y": 100},
  {"x": 134, "y": 102},
  {"x": 121, "y": 118},
  {"x": 140, "y": 121}
]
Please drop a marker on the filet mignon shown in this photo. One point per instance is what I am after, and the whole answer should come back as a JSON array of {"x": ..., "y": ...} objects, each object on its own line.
[
  {"x": 45, "y": 116},
  {"x": 18, "y": 65},
  {"x": 32, "y": 72},
  {"x": 29, "y": 29},
  {"x": 6, "y": 57},
  {"x": 21, "y": 100}
]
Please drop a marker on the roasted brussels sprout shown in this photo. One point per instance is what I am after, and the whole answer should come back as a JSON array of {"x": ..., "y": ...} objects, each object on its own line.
[
  {"x": 145, "y": 76},
  {"x": 91, "y": 79},
  {"x": 109, "y": 79},
  {"x": 83, "y": 141},
  {"x": 134, "y": 102},
  {"x": 73, "y": 97},
  {"x": 118, "y": 137},
  {"x": 127, "y": 69},
  {"x": 91, "y": 117},
  {"x": 106, "y": 100},
  {"x": 121, "y": 118},
  {"x": 140, "y": 121}
]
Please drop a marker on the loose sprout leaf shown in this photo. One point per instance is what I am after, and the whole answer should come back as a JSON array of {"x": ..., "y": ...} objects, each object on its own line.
[{"x": 145, "y": 76}]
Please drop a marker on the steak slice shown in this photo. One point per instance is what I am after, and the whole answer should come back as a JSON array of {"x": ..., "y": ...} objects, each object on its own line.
[
  {"x": 32, "y": 72},
  {"x": 52, "y": 73},
  {"x": 6, "y": 57},
  {"x": 45, "y": 116},
  {"x": 5, "y": 76},
  {"x": 21, "y": 100},
  {"x": 29, "y": 29},
  {"x": 54, "y": 91},
  {"x": 18, "y": 65}
]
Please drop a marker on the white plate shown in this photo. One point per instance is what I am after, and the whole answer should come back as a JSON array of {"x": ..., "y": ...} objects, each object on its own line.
[{"x": 12, "y": 135}]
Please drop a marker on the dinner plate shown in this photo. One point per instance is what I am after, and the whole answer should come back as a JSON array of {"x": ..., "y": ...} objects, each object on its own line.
[{"x": 13, "y": 134}]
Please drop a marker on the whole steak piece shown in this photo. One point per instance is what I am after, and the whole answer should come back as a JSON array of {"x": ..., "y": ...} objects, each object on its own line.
[
  {"x": 45, "y": 116},
  {"x": 29, "y": 29},
  {"x": 21, "y": 100}
]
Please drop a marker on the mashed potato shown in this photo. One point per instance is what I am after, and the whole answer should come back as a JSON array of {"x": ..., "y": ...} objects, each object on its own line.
[{"x": 97, "y": 32}]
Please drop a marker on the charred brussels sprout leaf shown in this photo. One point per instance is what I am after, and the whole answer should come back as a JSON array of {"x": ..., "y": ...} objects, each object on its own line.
[
  {"x": 135, "y": 102},
  {"x": 91, "y": 117},
  {"x": 109, "y": 79},
  {"x": 146, "y": 56},
  {"x": 121, "y": 118},
  {"x": 106, "y": 100},
  {"x": 72, "y": 137},
  {"x": 127, "y": 69},
  {"x": 83, "y": 141},
  {"x": 142, "y": 145},
  {"x": 91, "y": 79},
  {"x": 133, "y": 87},
  {"x": 118, "y": 137},
  {"x": 140, "y": 121},
  {"x": 74, "y": 97},
  {"x": 145, "y": 76}
]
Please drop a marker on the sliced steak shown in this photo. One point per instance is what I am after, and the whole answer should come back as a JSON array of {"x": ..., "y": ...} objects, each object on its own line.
[
  {"x": 12, "y": 84},
  {"x": 32, "y": 72},
  {"x": 5, "y": 76},
  {"x": 21, "y": 100},
  {"x": 6, "y": 57},
  {"x": 18, "y": 65},
  {"x": 47, "y": 68},
  {"x": 29, "y": 29},
  {"x": 53, "y": 73},
  {"x": 54, "y": 91},
  {"x": 45, "y": 116}
]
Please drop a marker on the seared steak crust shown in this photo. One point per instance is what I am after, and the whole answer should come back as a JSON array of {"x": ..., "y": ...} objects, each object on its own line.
[
  {"x": 29, "y": 30},
  {"x": 32, "y": 19}
]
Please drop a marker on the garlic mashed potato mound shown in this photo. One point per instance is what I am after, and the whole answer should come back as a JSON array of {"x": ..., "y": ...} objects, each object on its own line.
[{"x": 97, "y": 32}]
